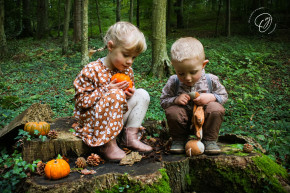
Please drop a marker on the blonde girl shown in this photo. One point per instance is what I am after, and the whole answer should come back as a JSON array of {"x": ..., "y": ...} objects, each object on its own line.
[{"x": 102, "y": 106}]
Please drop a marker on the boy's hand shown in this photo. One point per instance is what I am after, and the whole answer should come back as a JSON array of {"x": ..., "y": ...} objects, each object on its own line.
[
  {"x": 204, "y": 99},
  {"x": 121, "y": 85},
  {"x": 129, "y": 93},
  {"x": 182, "y": 99}
]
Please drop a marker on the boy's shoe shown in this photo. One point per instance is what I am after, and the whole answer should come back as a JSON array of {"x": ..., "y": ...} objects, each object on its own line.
[
  {"x": 211, "y": 148},
  {"x": 177, "y": 147}
]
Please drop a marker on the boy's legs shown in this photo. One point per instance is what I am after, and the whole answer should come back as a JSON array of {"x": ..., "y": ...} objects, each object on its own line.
[
  {"x": 214, "y": 113},
  {"x": 178, "y": 123}
]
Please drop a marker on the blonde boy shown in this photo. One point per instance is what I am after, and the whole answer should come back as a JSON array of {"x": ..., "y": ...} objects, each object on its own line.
[{"x": 188, "y": 60}]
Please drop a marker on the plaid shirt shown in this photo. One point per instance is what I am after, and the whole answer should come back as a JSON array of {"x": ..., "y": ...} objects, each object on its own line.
[{"x": 171, "y": 90}]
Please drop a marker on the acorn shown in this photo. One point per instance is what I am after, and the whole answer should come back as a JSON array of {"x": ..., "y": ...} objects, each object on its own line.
[{"x": 194, "y": 147}]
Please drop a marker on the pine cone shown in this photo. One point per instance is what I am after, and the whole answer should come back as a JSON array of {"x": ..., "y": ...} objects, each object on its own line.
[
  {"x": 40, "y": 168},
  {"x": 248, "y": 148},
  {"x": 94, "y": 160},
  {"x": 52, "y": 134},
  {"x": 81, "y": 162}
]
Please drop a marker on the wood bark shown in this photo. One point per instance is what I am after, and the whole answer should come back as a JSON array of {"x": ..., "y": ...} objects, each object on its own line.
[
  {"x": 3, "y": 44},
  {"x": 118, "y": 11},
  {"x": 131, "y": 11},
  {"x": 138, "y": 13},
  {"x": 99, "y": 20},
  {"x": 85, "y": 51},
  {"x": 77, "y": 21},
  {"x": 160, "y": 60},
  {"x": 217, "y": 18},
  {"x": 42, "y": 19},
  {"x": 228, "y": 18},
  {"x": 66, "y": 26},
  {"x": 26, "y": 19},
  {"x": 179, "y": 13}
]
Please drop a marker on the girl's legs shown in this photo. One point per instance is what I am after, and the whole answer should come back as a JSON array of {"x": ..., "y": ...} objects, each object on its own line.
[{"x": 137, "y": 107}]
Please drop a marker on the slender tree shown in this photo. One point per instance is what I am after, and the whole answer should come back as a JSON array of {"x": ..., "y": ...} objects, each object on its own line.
[
  {"x": 179, "y": 13},
  {"x": 26, "y": 20},
  {"x": 131, "y": 11},
  {"x": 42, "y": 19},
  {"x": 168, "y": 15},
  {"x": 99, "y": 20},
  {"x": 228, "y": 18},
  {"x": 66, "y": 26},
  {"x": 85, "y": 52},
  {"x": 138, "y": 13},
  {"x": 3, "y": 44},
  {"x": 160, "y": 60},
  {"x": 118, "y": 11},
  {"x": 77, "y": 21},
  {"x": 217, "y": 18}
]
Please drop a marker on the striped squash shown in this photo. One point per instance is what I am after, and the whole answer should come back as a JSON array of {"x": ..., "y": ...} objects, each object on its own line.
[{"x": 42, "y": 127}]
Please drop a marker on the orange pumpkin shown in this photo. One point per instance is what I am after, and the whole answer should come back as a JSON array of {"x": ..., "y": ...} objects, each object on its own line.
[
  {"x": 42, "y": 127},
  {"x": 120, "y": 77},
  {"x": 56, "y": 169}
]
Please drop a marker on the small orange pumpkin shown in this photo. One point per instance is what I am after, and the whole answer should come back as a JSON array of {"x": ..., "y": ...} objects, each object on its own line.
[
  {"x": 42, "y": 127},
  {"x": 120, "y": 77},
  {"x": 56, "y": 169}
]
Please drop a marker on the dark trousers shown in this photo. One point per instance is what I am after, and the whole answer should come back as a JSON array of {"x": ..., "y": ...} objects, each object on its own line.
[{"x": 179, "y": 121}]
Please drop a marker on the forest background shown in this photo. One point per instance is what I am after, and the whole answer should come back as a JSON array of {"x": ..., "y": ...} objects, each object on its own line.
[{"x": 40, "y": 58}]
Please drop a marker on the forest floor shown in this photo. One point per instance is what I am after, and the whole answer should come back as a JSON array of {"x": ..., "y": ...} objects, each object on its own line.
[{"x": 254, "y": 70}]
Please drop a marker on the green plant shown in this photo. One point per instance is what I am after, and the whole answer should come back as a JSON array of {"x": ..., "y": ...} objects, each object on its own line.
[{"x": 13, "y": 170}]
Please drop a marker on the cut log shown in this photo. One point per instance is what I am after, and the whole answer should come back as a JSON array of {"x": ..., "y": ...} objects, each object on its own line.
[{"x": 231, "y": 171}]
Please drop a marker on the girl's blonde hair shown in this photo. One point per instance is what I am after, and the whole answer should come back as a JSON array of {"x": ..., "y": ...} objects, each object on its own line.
[
  {"x": 126, "y": 35},
  {"x": 187, "y": 48}
]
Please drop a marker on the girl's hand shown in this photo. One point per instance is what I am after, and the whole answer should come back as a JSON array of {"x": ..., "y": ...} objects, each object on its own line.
[
  {"x": 121, "y": 85},
  {"x": 204, "y": 99},
  {"x": 129, "y": 93},
  {"x": 182, "y": 99}
]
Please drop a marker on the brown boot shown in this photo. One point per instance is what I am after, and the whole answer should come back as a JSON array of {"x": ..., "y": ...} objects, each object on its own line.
[
  {"x": 111, "y": 151},
  {"x": 130, "y": 139}
]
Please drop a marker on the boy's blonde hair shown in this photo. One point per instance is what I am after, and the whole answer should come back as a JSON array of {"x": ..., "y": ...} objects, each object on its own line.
[
  {"x": 187, "y": 48},
  {"x": 126, "y": 35}
]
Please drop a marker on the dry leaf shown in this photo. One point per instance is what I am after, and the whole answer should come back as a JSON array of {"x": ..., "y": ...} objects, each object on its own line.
[{"x": 131, "y": 158}]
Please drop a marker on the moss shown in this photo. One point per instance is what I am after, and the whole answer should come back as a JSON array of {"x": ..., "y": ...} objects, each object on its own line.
[
  {"x": 271, "y": 171},
  {"x": 260, "y": 176},
  {"x": 125, "y": 185}
]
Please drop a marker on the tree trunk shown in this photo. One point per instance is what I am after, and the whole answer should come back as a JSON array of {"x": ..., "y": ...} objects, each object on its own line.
[
  {"x": 66, "y": 26},
  {"x": 58, "y": 19},
  {"x": 160, "y": 60},
  {"x": 179, "y": 14},
  {"x": 228, "y": 19},
  {"x": 77, "y": 21},
  {"x": 85, "y": 52},
  {"x": 138, "y": 14},
  {"x": 217, "y": 18},
  {"x": 168, "y": 15},
  {"x": 3, "y": 44},
  {"x": 99, "y": 20},
  {"x": 131, "y": 11},
  {"x": 118, "y": 11},
  {"x": 26, "y": 19},
  {"x": 42, "y": 19}
]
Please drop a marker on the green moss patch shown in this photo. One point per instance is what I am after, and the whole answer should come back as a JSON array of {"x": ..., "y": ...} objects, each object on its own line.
[{"x": 126, "y": 185}]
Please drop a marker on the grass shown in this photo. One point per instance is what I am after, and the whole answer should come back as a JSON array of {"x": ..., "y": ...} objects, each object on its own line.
[{"x": 254, "y": 70}]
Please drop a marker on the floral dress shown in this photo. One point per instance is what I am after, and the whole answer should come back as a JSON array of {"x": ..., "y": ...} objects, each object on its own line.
[{"x": 98, "y": 110}]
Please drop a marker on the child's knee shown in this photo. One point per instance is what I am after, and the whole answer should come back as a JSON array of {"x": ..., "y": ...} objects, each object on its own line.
[
  {"x": 215, "y": 108},
  {"x": 176, "y": 114},
  {"x": 143, "y": 95}
]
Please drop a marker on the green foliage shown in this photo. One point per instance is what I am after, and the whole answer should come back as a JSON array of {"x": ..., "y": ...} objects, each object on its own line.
[{"x": 13, "y": 170}]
